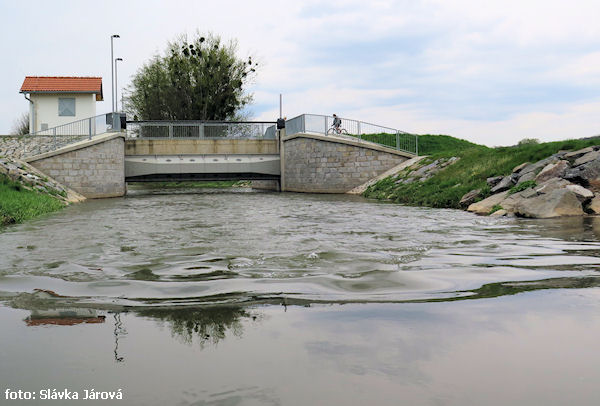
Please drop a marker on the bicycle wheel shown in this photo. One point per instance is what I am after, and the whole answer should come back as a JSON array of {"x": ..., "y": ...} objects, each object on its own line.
[
  {"x": 331, "y": 131},
  {"x": 343, "y": 131}
]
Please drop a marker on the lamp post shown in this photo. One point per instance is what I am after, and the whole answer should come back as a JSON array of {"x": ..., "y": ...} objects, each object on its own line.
[
  {"x": 116, "y": 86},
  {"x": 112, "y": 72}
]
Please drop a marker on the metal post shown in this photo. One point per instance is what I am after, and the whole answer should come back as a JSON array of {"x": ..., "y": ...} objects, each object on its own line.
[
  {"x": 417, "y": 144},
  {"x": 303, "y": 123},
  {"x": 54, "y": 137},
  {"x": 112, "y": 78},
  {"x": 397, "y": 140},
  {"x": 116, "y": 85},
  {"x": 359, "y": 129},
  {"x": 325, "y": 128},
  {"x": 170, "y": 130},
  {"x": 280, "y": 107},
  {"x": 90, "y": 128}
]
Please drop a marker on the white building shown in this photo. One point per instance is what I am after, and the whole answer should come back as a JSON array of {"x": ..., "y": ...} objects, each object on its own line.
[{"x": 60, "y": 100}]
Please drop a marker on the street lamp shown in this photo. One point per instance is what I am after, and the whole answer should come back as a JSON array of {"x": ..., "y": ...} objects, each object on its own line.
[
  {"x": 112, "y": 73},
  {"x": 117, "y": 87}
]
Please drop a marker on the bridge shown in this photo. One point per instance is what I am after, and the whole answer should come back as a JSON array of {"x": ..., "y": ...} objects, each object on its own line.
[{"x": 301, "y": 157}]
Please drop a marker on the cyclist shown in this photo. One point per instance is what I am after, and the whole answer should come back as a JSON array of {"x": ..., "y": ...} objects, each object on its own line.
[{"x": 337, "y": 123}]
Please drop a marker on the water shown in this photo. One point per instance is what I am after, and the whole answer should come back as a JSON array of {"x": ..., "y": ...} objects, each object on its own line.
[{"x": 232, "y": 297}]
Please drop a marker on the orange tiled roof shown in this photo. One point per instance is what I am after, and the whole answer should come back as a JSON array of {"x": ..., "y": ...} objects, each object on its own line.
[{"x": 62, "y": 84}]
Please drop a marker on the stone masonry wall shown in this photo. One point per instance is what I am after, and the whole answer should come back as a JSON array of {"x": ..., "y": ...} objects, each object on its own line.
[
  {"x": 318, "y": 166},
  {"x": 22, "y": 146},
  {"x": 95, "y": 171}
]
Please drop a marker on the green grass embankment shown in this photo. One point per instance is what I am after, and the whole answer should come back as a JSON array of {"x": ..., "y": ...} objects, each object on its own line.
[
  {"x": 476, "y": 164},
  {"x": 18, "y": 204}
]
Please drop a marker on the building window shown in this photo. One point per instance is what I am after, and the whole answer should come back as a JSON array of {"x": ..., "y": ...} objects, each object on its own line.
[{"x": 66, "y": 107}]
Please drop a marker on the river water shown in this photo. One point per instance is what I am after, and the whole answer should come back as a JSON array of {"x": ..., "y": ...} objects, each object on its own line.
[{"x": 237, "y": 297}]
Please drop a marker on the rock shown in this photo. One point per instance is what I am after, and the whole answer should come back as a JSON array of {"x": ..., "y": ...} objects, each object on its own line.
[
  {"x": 529, "y": 192},
  {"x": 499, "y": 213},
  {"x": 590, "y": 156},
  {"x": 506, "y": 183},
  {"x": 582, "y": 193},
  {"x": 590, "y": 175},
  {"x": 493, "y": 181},
  {"x": 556, "y": 170},
  {"x": 559, "y": 202},
  {"x": 538, "y": 165},
  {"x": 551, "y": 185},
  {"x": 486, "y": 205},
  {"x": 526, "y": 177},
  {"x": 512, "y": 201},
  {"x": 469, "y": 198},
  {"x": 579, "y": 153},
  {"x": 594, "y": 206},
  {"x": 519, "y": 168}
]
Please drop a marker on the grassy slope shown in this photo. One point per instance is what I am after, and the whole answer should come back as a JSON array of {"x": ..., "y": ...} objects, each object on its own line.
[
  {"x": 476, "y": 164},
  {"x": 18, "y": 204}
]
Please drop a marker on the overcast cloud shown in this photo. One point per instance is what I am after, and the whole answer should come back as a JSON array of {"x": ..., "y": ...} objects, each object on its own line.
[{"x": 492, "y": 72}]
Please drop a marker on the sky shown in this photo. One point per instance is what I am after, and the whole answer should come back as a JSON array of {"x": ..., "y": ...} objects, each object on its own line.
[{"x": 491, "y": 72}]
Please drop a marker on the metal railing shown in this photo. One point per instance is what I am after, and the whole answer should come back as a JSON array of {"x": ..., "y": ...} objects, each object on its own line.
[
  {"x": 201, "y": 129},
  {"x": 60, "y": 136},
  {"x": 386, "y": 136}
]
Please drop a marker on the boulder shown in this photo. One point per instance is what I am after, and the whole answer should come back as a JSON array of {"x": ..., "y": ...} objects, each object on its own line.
[
  {"x": 499, "y": 213},
  {"x": 557, "y": 203},
  {"x": 494, "y": 180},
  {"x": 552, "y": 184},
  {"x": 519, "y": 168},
  {"x": 525, "y": 177},
  {"x": 589, "y": 157},
  {"x": 506, "y": 183},
  {"x": 579, "y": 153},
  {"x": 594, "y": 206},
  {"x": 486, "y": 205},
  {"x": 469, "y": 198},
  {"x": 556, "y": 170},
  {"x": 582, "y": 193},
  {"x": 539, "y": 165},
  {"x": 590, "y": 175},
  {"x": 512, "y": 201}
]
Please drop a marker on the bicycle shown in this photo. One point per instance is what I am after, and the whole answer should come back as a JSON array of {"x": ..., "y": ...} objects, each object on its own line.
[{"x": 337, "y": 130}]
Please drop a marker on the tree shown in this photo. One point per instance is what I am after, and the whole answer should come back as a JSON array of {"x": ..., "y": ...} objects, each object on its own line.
[
  {"x": 21, "y": 125},
  {"x": 198, "y": 80}
]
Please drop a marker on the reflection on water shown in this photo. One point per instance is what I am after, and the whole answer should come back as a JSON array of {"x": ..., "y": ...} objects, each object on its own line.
[
  {"x": 218, "y": 298},
  {"x": 205, "y": 325}
]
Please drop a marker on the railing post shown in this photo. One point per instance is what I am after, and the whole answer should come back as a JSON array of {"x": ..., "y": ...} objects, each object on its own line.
[
  {"x": 170, "y": 130},
  {"x": 325, "y": 127},
  {"x": 304, "y": 123},
  {"x": 201, "y": 130},
  {"x": 397, "y": 140},
  {"x": 417, "y": 144},
  {"x": 90, "y": 128},
  {"x": 358, "y": 125},
  {"x": 54, "y": 137}
]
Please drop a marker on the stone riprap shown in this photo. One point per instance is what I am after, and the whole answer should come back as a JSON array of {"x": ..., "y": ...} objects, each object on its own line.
[
  {"x": 325, "y": 164},
  {"x": 564, "y": 184},
  {"x": 94, "y": 168},
  {"x": 32, "y": 179},
  {"x": 22, "y": 146}
]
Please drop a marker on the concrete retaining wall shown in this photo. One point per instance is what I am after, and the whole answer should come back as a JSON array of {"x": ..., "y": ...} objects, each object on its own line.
[
  {"x": 328, "y": 164},
  {"x": 94, "y": 168}
]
